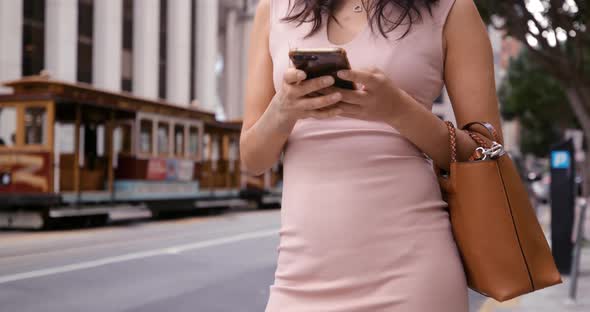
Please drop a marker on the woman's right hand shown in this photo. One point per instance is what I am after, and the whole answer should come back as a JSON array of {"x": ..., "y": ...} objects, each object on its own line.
[{"x": 296, "y": 99}]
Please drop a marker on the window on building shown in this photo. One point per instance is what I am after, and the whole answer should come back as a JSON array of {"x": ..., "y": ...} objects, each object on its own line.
[
  {"x": 33, "y": 37},
  {"x": 127, "y": 55},
  {"x": 179, "y": 140},
  {"x": 163, "y": 54},
  {"x": 35, "y": 125},
  {"x": 163, "y": 138},
  {"x": 145, "y": 136},
  {"x": 7, "y": 126},
  {"x": 85, "y": 40}
]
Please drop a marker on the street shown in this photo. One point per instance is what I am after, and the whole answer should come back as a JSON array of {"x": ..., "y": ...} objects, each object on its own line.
[{"x": 208, "y": 263}]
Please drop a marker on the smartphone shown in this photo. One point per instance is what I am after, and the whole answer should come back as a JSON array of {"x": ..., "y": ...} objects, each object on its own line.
[{"x": 322, "y": 62}]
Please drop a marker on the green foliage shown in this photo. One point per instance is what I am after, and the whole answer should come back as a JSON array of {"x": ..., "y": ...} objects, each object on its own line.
[
  {"x": 538, "y": 101},
  {"x": 558, "y": 32}
]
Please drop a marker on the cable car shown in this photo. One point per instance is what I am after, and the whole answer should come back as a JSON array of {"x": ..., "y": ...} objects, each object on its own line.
[{"x": 73, "y": 151}]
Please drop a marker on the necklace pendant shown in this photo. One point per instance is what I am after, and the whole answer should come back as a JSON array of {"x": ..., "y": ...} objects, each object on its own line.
[{"x": 358, "y": 8}]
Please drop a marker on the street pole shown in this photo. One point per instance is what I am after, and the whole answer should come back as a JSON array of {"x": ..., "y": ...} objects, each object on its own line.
[{"x": 578, "y": 250}]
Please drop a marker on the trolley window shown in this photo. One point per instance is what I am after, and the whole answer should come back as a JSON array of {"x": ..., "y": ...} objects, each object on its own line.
[
  {"x": 205, "y": 147},
  {"x": 225, "y": 147},
  {"x": 233, "y": 154},
  {"x": 163, "y": 138},
  {"x": 145, "y": 136},
  {"x": 215, "y": 148},
  {"x": 123, "y": 138},
  {"x": 233, "y": 150},
  {"x": 179, "y": 140},
  {"x": 193, "y": 141},
  {"x": 7, "y": 126},
  {"x": 35, "y": 125}
]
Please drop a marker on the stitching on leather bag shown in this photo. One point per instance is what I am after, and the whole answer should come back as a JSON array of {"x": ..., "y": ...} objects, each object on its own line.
[{"x": 515, "y": 228}]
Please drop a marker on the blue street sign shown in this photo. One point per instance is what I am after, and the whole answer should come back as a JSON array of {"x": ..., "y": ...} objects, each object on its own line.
[{"x": 560, "y": 160}]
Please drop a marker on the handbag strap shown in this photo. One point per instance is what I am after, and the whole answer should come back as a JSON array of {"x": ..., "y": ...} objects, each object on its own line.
[
  {"x": 475, "y": 136},
  {"x": 488, "y": 127},
  {"x": 452, "y": 140},
  {"x": 477, "y": 154}
]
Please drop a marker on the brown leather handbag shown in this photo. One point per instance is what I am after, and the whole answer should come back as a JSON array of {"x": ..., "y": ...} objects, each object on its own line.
[{"x": 502, "y": 246}]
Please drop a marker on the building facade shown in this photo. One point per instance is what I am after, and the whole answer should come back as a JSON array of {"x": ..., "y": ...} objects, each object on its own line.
[{"x": 175, "y": 50}]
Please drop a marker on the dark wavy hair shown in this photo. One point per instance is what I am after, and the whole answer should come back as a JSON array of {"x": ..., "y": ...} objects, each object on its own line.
[{"x": 311, "y": 11}]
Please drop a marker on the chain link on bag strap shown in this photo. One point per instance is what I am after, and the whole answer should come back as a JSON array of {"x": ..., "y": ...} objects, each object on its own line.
[
  {"x": 482, "y": 152},
  {"x": 485, "y": 151},
  {"x": 478, "y": 154}
]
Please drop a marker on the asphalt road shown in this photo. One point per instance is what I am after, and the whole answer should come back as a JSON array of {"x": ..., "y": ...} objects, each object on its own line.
[{"x": 219, "y": 263}]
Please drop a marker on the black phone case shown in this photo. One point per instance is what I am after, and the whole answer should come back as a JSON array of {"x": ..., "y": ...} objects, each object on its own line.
[{"x": 320, "y": 63}]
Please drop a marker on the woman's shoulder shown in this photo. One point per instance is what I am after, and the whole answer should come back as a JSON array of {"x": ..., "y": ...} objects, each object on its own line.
[
  {"x": 261, "y": 22},
  {"x": 263, "y": 9},
  {"x": 441, "y": 9}
]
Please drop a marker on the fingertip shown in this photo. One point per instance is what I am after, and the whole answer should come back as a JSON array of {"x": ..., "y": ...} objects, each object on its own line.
[
  {"x": 301, "y": 75},
  {"x": 343, "y": 73},
  {"x": 329, "y": 80},
  {"x": 336, "y": 96}
]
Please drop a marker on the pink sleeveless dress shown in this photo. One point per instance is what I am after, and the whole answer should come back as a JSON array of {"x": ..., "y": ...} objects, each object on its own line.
[{"x": 363, "y": 225}]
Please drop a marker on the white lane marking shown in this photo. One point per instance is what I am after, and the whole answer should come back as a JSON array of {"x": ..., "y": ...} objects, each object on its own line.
[{"x": 136, "y": 255}]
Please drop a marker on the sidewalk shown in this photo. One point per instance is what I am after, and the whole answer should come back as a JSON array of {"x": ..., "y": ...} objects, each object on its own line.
[{"x": 552, "y": 299}]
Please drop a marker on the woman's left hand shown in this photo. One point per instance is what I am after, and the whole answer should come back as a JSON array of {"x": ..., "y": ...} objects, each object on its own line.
[{"x": 375, "y": 99}]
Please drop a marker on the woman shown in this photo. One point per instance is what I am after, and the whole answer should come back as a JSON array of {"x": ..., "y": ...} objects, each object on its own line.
[{"x": 364, "y": 227}]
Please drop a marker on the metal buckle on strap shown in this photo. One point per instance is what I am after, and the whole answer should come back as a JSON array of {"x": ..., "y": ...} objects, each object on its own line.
[{"x": 494, "y": 151}]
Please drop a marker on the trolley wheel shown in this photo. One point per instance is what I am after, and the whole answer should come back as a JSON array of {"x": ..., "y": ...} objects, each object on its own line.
[
  {"x": 263, "y": 206},
  {"x": 97, "y": 220},
  {"x": 75, "y": 222}
]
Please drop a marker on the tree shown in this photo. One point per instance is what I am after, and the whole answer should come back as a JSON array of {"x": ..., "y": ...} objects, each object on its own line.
[
  {"x": 538, "y": 101},
  {"x": 555, "y": 33}
]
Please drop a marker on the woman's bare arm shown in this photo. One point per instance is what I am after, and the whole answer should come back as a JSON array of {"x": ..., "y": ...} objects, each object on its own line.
[
  {"x": 469, "y": 68},
  {"x": 269, "y": 114},
  {"x": 469, "y": 78},
  {"x": 266, "y": 133}
]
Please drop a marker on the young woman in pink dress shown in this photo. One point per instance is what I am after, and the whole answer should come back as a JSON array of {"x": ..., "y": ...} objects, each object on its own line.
[{"x": 363, "y": 224}]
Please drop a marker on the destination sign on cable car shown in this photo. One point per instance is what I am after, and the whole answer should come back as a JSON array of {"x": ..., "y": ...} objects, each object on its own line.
[{"x": 5, "y": 178}]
